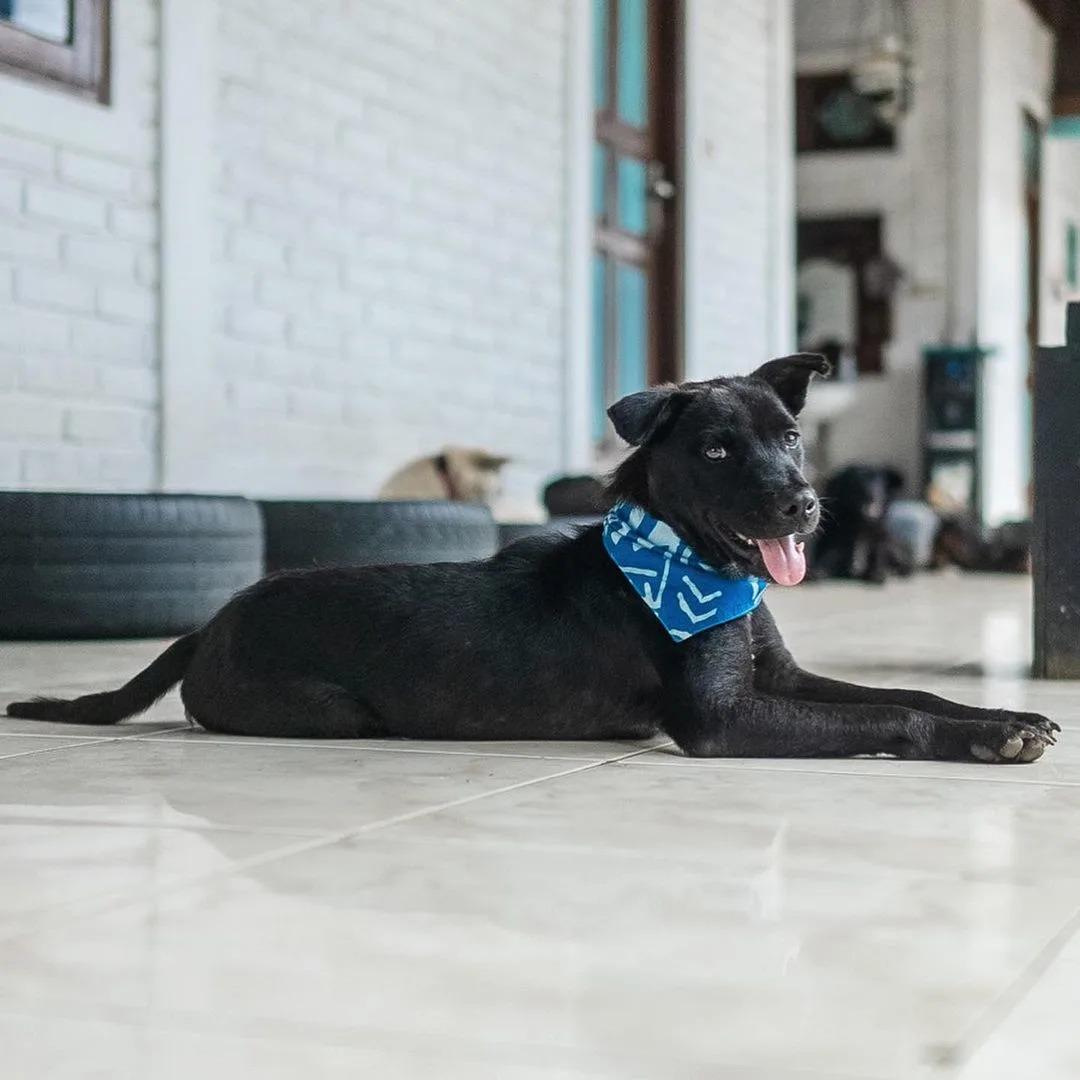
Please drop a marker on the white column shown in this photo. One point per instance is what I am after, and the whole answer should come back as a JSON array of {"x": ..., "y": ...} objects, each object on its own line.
[
  {"x": 188, "y": 82},
  {"x": 577, "y": 438}
]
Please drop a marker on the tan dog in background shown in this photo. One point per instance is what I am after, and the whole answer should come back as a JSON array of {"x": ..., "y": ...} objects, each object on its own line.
[{"x": 459, "y": 473}]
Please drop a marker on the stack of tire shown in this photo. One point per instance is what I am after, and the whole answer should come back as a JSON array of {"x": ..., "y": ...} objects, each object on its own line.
[{"x": 143, "y": 565}]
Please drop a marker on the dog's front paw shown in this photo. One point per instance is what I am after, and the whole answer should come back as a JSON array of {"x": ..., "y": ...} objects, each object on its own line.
[{"x": 1013, "y": 742}]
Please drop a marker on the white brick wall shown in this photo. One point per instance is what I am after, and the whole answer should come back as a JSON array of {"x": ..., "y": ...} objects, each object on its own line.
[
  {"x": 78, "y": 312},
  {"x": 739, "y": 219},
  {"x": 389, "y": 264}
]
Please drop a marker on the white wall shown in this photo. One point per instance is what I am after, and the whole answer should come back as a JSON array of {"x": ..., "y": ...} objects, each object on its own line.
[
  {"x": 364, "y": 218},
  {"x": 388, "y": 262},
  {"x": 740, "y": 307},
  {"x": 1060, "y": 206},
  {"x": 78, "y": 272},
  {"x": 951, "y": 200},
  {"x": 1017, "y": 56},
  {"x": 908, "y": 186}
]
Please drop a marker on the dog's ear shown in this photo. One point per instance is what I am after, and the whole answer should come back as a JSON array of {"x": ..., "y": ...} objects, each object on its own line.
[
  {"x": 639, "y": 418},
  {"x": 790, "y": 376}
]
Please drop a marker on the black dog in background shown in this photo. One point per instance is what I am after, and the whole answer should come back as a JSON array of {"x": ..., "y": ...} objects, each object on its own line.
[
  {"x": 854, "y": 541},
  {"x": 548, "y": 640}
]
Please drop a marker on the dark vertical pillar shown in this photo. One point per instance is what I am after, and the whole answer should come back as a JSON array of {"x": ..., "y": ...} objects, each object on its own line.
[{"x": 1056, "y": 481}]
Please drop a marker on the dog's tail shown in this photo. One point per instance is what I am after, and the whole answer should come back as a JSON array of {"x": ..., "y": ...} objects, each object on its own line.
[{"x": 133, "y": 697}]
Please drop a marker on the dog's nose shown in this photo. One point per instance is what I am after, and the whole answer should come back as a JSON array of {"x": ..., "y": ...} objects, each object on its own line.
[{"x": 802, "y": 506}]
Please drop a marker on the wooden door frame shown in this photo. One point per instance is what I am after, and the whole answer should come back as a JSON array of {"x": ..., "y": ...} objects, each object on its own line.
[{"x": 665, "y": 142}]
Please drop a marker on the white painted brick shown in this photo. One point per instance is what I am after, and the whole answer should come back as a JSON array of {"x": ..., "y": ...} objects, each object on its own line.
[
  {"x": 29, "y": 418},
  {"x": 129, "y": 304},
  {"x": 284, "y": 292},
  {"x": 249, "y": 395},
  {"x": 26, "y": 328},
  {"x": 10, "y": 461},
  {"x": 119, "y": 383},
  {"x": 255, "y": 249},
  {"x": 315, "y": 405},
  {"x": 10, "y": 193},
  {"x": 56, "y": 467},
  {"x": 107, "y": 256},
  {"x": 315, "y": 334},
  {"x": 53, "y": 289},
  {"x": 256, "y": 324},
  {"x": 64, "y": 206},
  {"x": 28, "y": 243},
  {"x": 105, "y": 426},
  {"x": 73, "y": 219},
  {"x": 98, "y": 174},
  {"x": 25, "y": 155},
  {"x": 58, "y": 376},
  {"x": 134, "y": 222},
  {"x": 134, "y": 471},
  {"x": 118, "y": 343},
  {"x": 148, "y": 268}
]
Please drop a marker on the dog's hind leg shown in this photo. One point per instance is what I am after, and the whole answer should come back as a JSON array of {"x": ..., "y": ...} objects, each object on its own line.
[{"x": 297, "y": 708}]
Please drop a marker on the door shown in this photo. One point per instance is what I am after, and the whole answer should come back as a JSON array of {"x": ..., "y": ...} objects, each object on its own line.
[{"x": 637, "y": 76}]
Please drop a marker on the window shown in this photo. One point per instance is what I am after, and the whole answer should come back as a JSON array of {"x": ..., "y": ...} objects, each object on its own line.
[
  {"x": 830, "y": 114},
  {"x": 58, "y": 41}
]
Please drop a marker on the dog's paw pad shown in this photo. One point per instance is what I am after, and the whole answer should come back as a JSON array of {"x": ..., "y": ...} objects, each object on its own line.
[{"x": 1021, "y": 744}]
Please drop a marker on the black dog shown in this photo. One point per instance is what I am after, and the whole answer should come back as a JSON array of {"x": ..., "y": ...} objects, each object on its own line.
[
  {"x": 548, "y": 641},
  {"x": 854, "y": 542}
]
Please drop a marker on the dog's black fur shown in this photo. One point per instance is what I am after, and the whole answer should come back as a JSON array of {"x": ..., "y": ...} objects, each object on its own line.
[
  {"x": 546, "y": 640},
  {"x": 854, "y": 541}
]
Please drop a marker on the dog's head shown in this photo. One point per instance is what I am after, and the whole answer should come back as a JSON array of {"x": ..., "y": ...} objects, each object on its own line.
[{"x": 722, "y": 462}]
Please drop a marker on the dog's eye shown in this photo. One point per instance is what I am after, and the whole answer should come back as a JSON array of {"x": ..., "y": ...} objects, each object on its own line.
[
  {"x": 715, "y": 453},
  {"x": 791, "y": 438}
]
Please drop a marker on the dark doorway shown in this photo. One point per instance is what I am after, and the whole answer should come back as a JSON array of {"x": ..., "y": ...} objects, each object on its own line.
[{"x": 849, "y": 253}]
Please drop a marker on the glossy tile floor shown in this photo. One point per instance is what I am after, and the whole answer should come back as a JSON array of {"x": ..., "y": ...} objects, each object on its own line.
[{"x": 175, "y": 905}]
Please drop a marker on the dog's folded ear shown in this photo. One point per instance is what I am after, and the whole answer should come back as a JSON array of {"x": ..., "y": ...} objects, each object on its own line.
[
  {"x": 639, "y": 418},
  {"x": 790, "y": 376}
]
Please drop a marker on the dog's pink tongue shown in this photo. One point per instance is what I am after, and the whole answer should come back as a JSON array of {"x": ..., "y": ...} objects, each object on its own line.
[{"x": 784, "y": 559}]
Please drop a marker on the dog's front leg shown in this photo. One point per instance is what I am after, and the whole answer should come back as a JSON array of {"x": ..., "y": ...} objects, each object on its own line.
[
  {"x": 715, "y": 710},
  {"x": 776, "y": 672}
]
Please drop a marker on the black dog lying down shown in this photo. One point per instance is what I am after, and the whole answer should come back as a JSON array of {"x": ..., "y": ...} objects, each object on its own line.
[{"x": 552, "y": 639}]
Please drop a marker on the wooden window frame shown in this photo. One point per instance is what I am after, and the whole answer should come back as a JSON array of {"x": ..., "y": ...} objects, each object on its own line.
[
  {"x": 81, "y": 65},
  {"x": 661, "y": 141}
]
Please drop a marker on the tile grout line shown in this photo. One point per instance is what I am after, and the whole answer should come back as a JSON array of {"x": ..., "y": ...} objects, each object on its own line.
[
  {"x": 81, "y": 741},
  {"x": 362, "y": 744},
  {"x": 114, "y": 902},
  {"x": 1003, "y": 1006},
  {"x": 731, "y": 764}
]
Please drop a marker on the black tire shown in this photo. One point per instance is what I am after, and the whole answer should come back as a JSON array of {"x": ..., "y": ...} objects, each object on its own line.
[
  {"x": 509, "y": 531},
  {"x": 78, "y": 566},
  {"x": 300, "y": 535}
]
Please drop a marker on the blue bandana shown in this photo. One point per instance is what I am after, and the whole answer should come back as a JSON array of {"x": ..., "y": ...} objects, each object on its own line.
[{"x": 684, "y": 593}]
